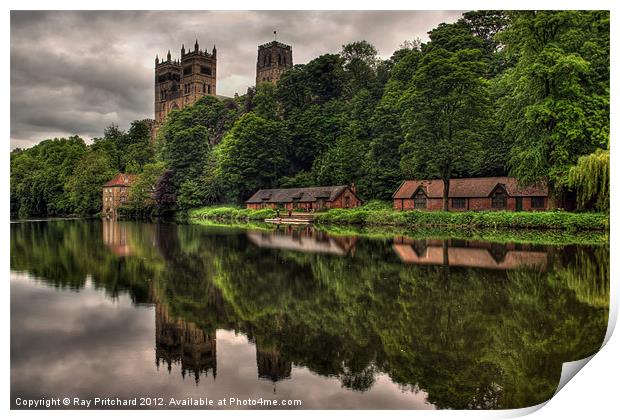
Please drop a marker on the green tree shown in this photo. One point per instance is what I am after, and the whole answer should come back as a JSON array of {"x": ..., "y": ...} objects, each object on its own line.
[
  {"x": 555, "y": 100},
  {"x": 590, "y": 179},
  {"x": 39, "y": 175},
  {"x": 252, "y": 156},
  {"x": 264, "y": 101},
  {"x": 446, "y": 118},
  {"x": 141, "y": 193},
  {"x": 84, "y": 187}
]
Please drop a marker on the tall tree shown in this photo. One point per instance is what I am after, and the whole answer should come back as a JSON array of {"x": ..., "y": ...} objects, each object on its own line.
[
  {"x": 448, "y": 111},
  {"x": 85, "y": 184},
  {"x": 252, "y": 156},
  {"x": 555, "y": 100}
]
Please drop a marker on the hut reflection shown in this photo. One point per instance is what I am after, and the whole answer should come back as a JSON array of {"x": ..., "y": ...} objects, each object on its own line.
[
  {"x": 305, "y": 239},
  {"x": 475, "y": 254}
]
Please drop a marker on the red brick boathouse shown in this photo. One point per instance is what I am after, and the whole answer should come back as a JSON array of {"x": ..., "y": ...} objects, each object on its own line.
[
  {"x": 311, "y": 198},
  {"x": 491, "y": 193}
]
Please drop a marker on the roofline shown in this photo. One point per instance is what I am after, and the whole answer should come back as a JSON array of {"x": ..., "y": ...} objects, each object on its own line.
[{"x": 399, "y": 187}]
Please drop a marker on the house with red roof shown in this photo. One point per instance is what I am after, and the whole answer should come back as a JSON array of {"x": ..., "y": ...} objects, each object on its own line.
[
  {"x": 116, "y": 193},
  {"x": 488, "y": 193}
]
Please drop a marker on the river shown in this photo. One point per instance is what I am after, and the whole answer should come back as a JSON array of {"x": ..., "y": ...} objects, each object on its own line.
[{"x": 139, "y": 310}]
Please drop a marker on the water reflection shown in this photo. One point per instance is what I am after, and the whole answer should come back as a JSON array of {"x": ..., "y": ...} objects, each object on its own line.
[
  {"x": 339, "y": 321},
  {"x": 304, "y": 239},
  {"x": 475, "y": 254}
]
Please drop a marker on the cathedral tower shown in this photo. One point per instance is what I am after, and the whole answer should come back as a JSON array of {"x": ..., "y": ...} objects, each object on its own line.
[
  {"x": 179, "y": 83},
  {"x": 274, "y": 58}
]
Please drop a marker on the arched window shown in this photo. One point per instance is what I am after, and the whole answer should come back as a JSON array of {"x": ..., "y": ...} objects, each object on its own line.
[
  {"x": 499, "y": 200},
  {"x": 279, "y": 59},
  {"x": 419, "y": 200}
]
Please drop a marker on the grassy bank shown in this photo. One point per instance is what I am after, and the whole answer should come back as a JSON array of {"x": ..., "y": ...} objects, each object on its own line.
[
  {"x": 382, "y": 216},
  {"x": 388, "y": 233},
  {"x": 558, "y": 220},
  {"x": 230, "y": 214}
]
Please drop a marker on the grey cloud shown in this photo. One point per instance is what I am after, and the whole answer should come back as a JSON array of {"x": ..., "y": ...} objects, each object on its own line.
[{"x": 76, "y": 72}]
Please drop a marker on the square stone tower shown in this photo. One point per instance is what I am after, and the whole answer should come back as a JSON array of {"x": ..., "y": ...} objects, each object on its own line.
[
  {"x": 179, "y": 83},
  {"x": 274, "y": 58}
]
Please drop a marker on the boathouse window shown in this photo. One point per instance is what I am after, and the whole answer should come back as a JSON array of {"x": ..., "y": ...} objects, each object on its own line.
[
  {"x": 419, "y": 200},
  {"x": 538, "y": 202},
  {"x": 499, "y": 199},
  {"x": 459, "y": 203},
  {"x": 347, "y": 202}
]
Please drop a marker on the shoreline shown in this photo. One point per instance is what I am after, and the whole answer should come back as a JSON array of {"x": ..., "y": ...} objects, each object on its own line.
[{"x": 383, "y": 217}]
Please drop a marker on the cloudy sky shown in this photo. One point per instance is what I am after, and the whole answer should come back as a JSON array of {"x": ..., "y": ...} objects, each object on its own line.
[{"x": 77, "y": 72}]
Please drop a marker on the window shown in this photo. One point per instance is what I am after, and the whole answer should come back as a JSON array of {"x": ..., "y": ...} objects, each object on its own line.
[
  {"x": 538, "y": 202},
  {"x": 499, "y": 199},
  {"x": 187, "y": 70},
  {"x": 123, "y": 198},
  {"x": 419, "y": 200},
  {"x": 208, "y": 88},
  {"x": 347, "y": 202},
  {"x": 205, "y": 70},
  {"x": 459, "y": 203}
]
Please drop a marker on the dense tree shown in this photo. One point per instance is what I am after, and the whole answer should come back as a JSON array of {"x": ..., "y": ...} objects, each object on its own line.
[
  {"x": 39, "y": 175},
  {"x": 252, "y": 156},
  {"x": 590, "y": 179},
  {"x": 85, "y": 184},
  {"x": 555, "y": 100},
  {"x": 165, "y": 194},
  {"x": 447, "y": 117},
  {"x": 141, "y": 193}
]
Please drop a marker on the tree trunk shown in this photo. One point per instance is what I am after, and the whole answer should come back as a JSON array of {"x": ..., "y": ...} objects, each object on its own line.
[{"x": 446, "y": 191}]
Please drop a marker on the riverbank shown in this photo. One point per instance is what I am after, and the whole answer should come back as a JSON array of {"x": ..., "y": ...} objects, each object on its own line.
[{"x": 385, "y": 217}]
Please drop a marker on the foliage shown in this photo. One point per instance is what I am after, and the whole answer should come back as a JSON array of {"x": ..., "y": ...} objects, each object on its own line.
[
  {"x": 230, "y": 214},
  {"x": 39, "y": 175},
  {"x": 590, "y": 178},
  {"x": 252, "y": 156},
  {"x": 448, "y": 116},
  {"x": 483, "y": 219},
  {"x": 165, "y": 193},
  {"x": 84, "y": 187},
  {"x": 141, "y": 201},
  {"x": 555, "y": 100}
]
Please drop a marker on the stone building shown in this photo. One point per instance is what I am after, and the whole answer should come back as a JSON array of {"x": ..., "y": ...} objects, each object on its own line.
[
  {"x": 179, "y": 83},
  {"x": 489, "y": 193},
  {"x": 274, "y": 58},
  {"x": 115, "y": 194}
]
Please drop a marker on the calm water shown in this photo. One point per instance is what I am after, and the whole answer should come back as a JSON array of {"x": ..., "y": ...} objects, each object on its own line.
[{"x": 122, "y": 309}]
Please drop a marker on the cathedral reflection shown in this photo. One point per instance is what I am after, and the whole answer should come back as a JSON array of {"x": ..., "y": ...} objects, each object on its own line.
[{"x": 178, "y": 342}]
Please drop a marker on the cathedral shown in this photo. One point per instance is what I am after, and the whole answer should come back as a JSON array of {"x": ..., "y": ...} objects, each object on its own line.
[{"x": 179, "y": 83}]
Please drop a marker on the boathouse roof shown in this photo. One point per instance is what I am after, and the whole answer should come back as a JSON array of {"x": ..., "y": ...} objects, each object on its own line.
[{"x": 471, "y": 187}]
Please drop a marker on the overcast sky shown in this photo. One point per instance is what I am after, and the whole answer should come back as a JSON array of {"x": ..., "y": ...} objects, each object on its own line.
[{"x": 77, "y": 72}]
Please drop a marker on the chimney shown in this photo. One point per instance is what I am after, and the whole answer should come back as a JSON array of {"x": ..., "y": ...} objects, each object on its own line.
[{"x": 353, "y": 188}]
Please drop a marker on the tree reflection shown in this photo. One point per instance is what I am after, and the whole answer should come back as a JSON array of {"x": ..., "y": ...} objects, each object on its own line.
[{"x": 470, "y": 335}]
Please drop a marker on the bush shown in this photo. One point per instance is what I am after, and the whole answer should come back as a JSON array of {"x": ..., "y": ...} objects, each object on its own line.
[
  {"x": 484, "y": 219},
  {"x": 230, "y": 213}
]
